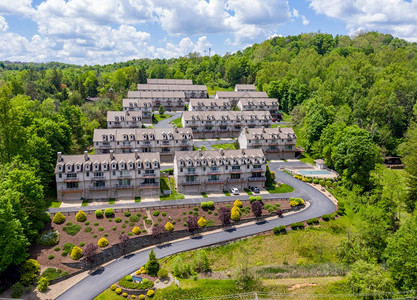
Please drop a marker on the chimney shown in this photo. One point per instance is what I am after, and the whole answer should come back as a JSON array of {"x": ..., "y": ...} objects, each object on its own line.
[
  {"x": 243, "y": 151},
  {"x": 199, "y": 152},
  {"x": 247, "y": 130},
  {"x": 263, "y": 130},
  {"x": 86, "y": 155},
  {"x": 221, "y": 152},
  {"x": 111, "y": 155},
  {"x": 136, "y": 153},
  {"x": 59, "y": 156}
]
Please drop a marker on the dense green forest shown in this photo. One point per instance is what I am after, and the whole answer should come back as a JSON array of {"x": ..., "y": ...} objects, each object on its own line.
[{"x": 352, "y": 101}]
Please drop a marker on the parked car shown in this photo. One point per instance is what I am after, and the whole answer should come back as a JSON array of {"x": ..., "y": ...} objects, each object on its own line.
[
  {"x": 274, "y": 120},
  {"x": 254, "y": 189},
  {"x": 234, "y": 191}
]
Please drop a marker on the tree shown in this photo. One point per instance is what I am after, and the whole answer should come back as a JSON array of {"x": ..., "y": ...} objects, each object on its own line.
[
  {"x": 192, "y": 223},
  {"x": 43, "y": 284},
  {"x": 257, "y": 207},
  {"x": 270, "y": 180},
  {"x": 224, "y": 215},
  {"x": 401, "y": 255},
  {"x": 152, "y": 266},
  {"x": 158, "y": 230},
  {"x": 124, "y": 241},
  {"x": 161, "y": 110},
  {"x": 89, "y": 252}
]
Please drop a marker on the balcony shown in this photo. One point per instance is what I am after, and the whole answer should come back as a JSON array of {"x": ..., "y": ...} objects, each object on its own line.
[
  {"x": 126, "y": 145},
  {"x": 98, "y": 188},
  {"x": 184, "y": 142},
  {"x": 71, "y": 189},
  {"x": 216, "y": 172},
  {"x": 71, "y": 179},
  {"x": 224, "y": 129},
  {"x": 105, "y": 145},
  {"x": 236, "y": 171},
  {"x": 193, "y": 172},
  {"x": 149, "y": 185},
  {"x": 148, "y": 175},
  {"x": 166, "y": 143},
  {"x": 98, "y": 178},
  {"x": 124, "y": 186},
  {"x": 259, "y": 178},
  {"x": 235, "y": 179},
  {"x": 124, "y": 176},
  {"x": 273, "y": 150},
  {"x": 195, "y": 182},
  {"x": 146, "y": 143},
  {"x": 214, "y": 181},
  {"x": 208, "y": 130}
]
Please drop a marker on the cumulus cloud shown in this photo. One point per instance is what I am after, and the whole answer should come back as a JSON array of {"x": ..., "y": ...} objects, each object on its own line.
[
  {"x": 184, "y": 47},
  {"x": 3, "y": 24},
  {"x": 391, "y": 16}
]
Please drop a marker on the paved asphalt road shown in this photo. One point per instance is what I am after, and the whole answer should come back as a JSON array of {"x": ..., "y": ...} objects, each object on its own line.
[
  {"x": 165, "y": 123},
  {"x": 100, "y": 280}
]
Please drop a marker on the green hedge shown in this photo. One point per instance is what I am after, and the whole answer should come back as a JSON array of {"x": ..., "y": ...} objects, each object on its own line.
[
  {"x": 295, "y": 226},
  {"x": 279, "y": 229},
  {"x": 313, "y": 221},
  {"x": 124, "y": 282}
]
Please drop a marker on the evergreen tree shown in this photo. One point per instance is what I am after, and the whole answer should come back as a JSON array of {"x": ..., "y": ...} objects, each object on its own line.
[{"x": 152, "y": 266}]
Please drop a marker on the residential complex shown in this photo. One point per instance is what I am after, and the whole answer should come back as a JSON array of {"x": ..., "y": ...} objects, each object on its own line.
[
  {"x": 223, "y": 124},
  {"x": 276, "y": 143},
  {"x": 124, "y": 119},
  {"x": 190, "y": 90},
  {"x": 245, "y": 88},
  {"x": 104, "y": 176},
  {"x": 168, "y": 99},
  {"x": 143, "y": 105},
  {"x": 218, "y": 170},
  {"x": 164, "y": 141},
  {"x": 234, "y": 97},
  {"x": 169, "y": 81},
  {"x": 259, "y": 104},
  {"x": 209, "y": 104}
]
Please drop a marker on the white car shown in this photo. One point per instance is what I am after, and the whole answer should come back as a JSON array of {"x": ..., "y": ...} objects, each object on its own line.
[{"x": 234, "y": 191}]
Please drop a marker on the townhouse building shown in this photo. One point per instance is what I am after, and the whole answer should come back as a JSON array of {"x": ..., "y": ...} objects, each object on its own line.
[
  {"x": 104, "y": 176},
  {"x": 190, "y": 90},
  {"x": 234, "y": 96},
  {"x": 219, "y": 170},
  {"x": 169, "y": 81},
  {"x": 143, "y": 105},
  {"x": 164, "y": 141},
  {"x": 276, "y": 143},
  {"x": 223, "y": 124},
  {"x": 170, "y": 100},
  {"x": 209, "y": 105},
  {"x": 258, "y": 104},
  {"x": 245, "y": 88},
  {"x": 124, "y": 119}
]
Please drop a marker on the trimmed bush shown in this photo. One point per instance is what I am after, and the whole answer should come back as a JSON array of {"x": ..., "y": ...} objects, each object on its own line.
[
  {"x": 136, "y": 230},
  {"x": 127, "y": 213},
  {"x": 49, "y": 238},
  {"x": 156, "y": 213},
  {"x": 99, "y": 213},
  {"x": 43, "y": 284},
  {"x": 163, "y": 273},
  {"x": 252, "y": 198},
  {"x": 282, "y": 229},
  {"x": 76, "y": 253},
  {"x": 235, "y": 213},
  {"x": 296, "y": 201},
  {"x": 340, "y": 212},
  {"x": 51, "y": 257},
  {"x": 134, "y": 219},
  {"x": 258, "y": 198},
  {"x": 17, "y": 290},
  {"x": 315, "y": 181},
  {"x": 113, "y": 287},
  {"x": 326, "y": 217},
  {"x": 118, "y": 291},
  {"x": 125, "y": 294},
  {"x": 28, "y": 271},
  {"x": 100, "y": 229},
  {"x": 81, "y": 216},
  {"x": 141, "y": 297},
  {"x": 238, "y": 203},
  {"x": 87, "y": 223},
  {"x": 88, "y": 229},
  {"x": 203, "y": 205},
  {"x": 150, "y": 293},
  {"x": 202, "y": 222},
  {"x": 72, "y": 229},
  {"x": 313, "y": 221},
  {"x": 102, "y": 242},
  {"x": 108, "y": 212},
  {"x": 95, "y": 223},
  {"x": 275, "y": 230},
  {"x": 169, "y": 227},
  {"x": 59, "y": 218},
  {"x": 118, "y": 220}
]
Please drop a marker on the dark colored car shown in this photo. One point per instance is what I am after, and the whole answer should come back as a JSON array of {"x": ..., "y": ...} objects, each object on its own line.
[{"x": 254, "y": 189}]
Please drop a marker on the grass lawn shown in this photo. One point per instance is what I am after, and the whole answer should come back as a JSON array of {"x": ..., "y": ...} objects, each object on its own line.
[
  {"x": 227, "y": 193},
  {"x": 85, "y": 202},
  {"x": 112, "y": 201},
  {"x": 91, "y": 151},
  {"x": 174, "y": 195},
  {"x": 55, "y": 204},
  {"x": 204, "y": 195},
  {"x": 283, "y": 188},
  {"x": 157, "y": 117},
  {"x": 177, "y": 123},
  {"x": 137, "y": 199},
  {"x": 212, "y": 91},
  {"x": 52, "y": 273},
  {"x": 229, "y": 146},
  {"x": 248, "y": 192}
]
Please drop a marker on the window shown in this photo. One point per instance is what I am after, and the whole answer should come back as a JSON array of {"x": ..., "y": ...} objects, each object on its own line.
[
  {"x": 87, "y": 174},
  {"x": 181, "y": 170},
  {"x": 59, "y": 175},
  {"x": 60, "y": 169}
]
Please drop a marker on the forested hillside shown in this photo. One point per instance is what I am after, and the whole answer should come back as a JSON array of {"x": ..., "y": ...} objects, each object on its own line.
[{"x": 352, "y": 100}]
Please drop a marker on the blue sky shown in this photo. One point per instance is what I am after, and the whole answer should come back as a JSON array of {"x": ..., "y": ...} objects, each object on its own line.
[{"x": 107, "y": 31}]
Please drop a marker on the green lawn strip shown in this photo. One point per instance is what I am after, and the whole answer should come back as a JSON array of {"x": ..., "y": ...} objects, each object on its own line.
[
  {"x": 248, "y": 192},
  {"x": 204, "y": 195},
  {"x": 227, "y": 193},
  {"x": 289, "y": 173},
  {"x": 91, "y": 151},
  {"x": 174, "y": 194},
  {"x": 85, "y": 202},
  {"x": 52, "y": 273},
  {"x": 109, "y": 295},
  {"x": 158, "y": 117},
  {"x": 177, "y": 123},
  {"x": 112, "y": 201},
  {"x": 283, "y": 188},
  {"x": 55, "y": 204},
  {"x": 228, "y": 146},
  {"x": 137, "y": 199},
  {"x": 212, "y": 91},
  {"x": 164, "y": 184}
]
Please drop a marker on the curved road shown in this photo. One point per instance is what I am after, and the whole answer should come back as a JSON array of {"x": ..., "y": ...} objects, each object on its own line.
[{"x": 100, "y": 280}]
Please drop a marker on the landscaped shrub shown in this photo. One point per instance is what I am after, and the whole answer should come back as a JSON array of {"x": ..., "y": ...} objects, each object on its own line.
[
  {"x": 238, "y": 203},
  {"x": 127, "y": 213},
  {"x": 57, "y": 249},
  {"x": 322, "y": 182},
  {"x": 202, "y": 222},
  {"x": 141, "y": 297},
  {"x": 28, "y": 271},
  {"x": 258, "y": 198},
  {"x": 51, "y": 257},
  {"x": 296, "y": 201},
  {"x": 59, "y": 218},
  {"x": 235, "y": 213},
  {"x": 129, "y": 277},
  {"x": 326, "y": 217},
  {"x": 125, "y": 294},
  {"x": 81, "y": 216},
  {"x": 17, "y": 290},
  {"x": 134, "y": 219},
  {"x": 169, "y": 227},
  {"x": 128, "y": 284},
  {"x": 102, "y": 242},
  {"x": 108, "y": 212},
  {"x": 282, "y": 229},
  {"x": 118, "y": 220},
  {"x": 113, "y": 287},
  {"x": 150, "y": 293},
  {"x": 106, "y": 235},
  {"x": 49, "y": 238},
  {"x": 88, "y": 229},
  {"x": 100, "y": 229},
  {"x": 99, "y": 213},
  {"x": 95, "y": 223},
  {"x": 252, "y": 198},
  {"x": 76, "y": 253},
  {"x": 43, "y": 284},
  {"x": 163, "y": 273},
  {"x": 275, "y": 230},
  {"x": 156, "y": 213},
  {"x": 313, "y": 221},
  {"x": 152, "y": 265},
  {"x": 136, "y": 230},
  {"x": 295, "y": 226},
  {"x": 203, "y": 205},
  {"x": 118, "y": 291},
  {"x": 315, "y": 181},
  {"x": 340, "y": 212}
]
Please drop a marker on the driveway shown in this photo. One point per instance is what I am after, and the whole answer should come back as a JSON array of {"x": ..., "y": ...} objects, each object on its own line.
[
  {"x": 165, "y": 123},
  {"x": 292, "y": 163},
  {"x": 209, "y": 142},
  {"x": 98, "y": 281}
]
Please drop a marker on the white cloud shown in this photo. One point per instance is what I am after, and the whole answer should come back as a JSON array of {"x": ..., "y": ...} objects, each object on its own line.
[
  {"x": 3, "y": 24},
  {"x": 184, "y": 47},
  {"x": 296, "y": 14},
  {"x": 19, "y": 7},
  {"x": 391, "y": 16}
]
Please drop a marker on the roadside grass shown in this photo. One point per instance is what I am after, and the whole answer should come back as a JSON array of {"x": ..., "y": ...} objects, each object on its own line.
[
  {"x": 282, "y": 188},
  {"x": 157, "y": 117},
  {"x": 212, "y": 91},
  {"x": 286, "y": 117},
  {"x": 177, "y": 123},
  {"x": 227, "y": 146},
  {"x": 204, "y": 195},
  {"x": 227, "y": 193},
  {"x": 307, "y": 159},
  {"x": 174, "y": 194},
  {"x": 248, "y": 192},
  {"x": 164, "y": 184},
  {"x": 55, "y": 204},
  {"x": 112, "y": 201},
  {"x": 85, "y": 202},
  {"x": 137, "y": 199},
  {"x": 289, "y": 173}
]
